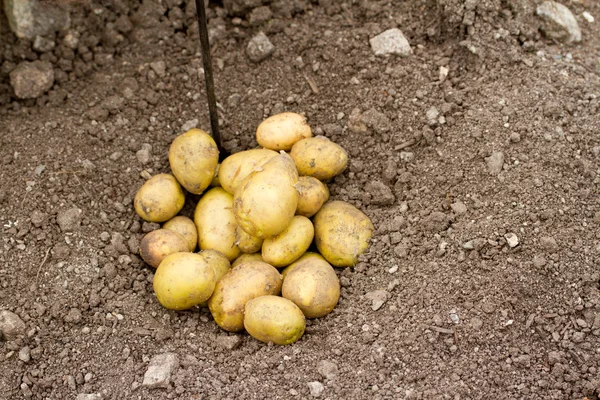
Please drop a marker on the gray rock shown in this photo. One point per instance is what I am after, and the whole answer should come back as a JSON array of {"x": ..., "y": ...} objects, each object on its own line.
[
  {"x": 328, "y": 369},
  {"x": 495, "y": 162},
  {"x": 260, "y": 15},
  {"x": 376, "y": 120},
  {"x": 539, "y": 261},
  {"x": 159, "y": 371},
  {"x": 259, "y": 48},
  {"x": 228, "y": 342},
  {"x": 435, "y": 222},
  {"x": 90, "y": 396},
  {"x": 459, "y": 207},
  {"x": 391, "y": 41},
  {"x": 69, "y": 220},
  {"x": 240, "y": 8},
  {"x": 432, "y": 116},
  {"x": 476, "y": 323},
  {"x": 378, "y": 298},
  {"x": 25, "y": 354},
  {"x": 381, "y": 194},
  {"x": 549, "y": 243},
  {"x": 144, "y": 155},
  {"x": 159, "y": 67},
  {"x": 30, "y": 80},
  {"x": 37, "y": 218},
  {"x": 192, "y": 123},
  {"x": 42, "y": 44},
  {"x": 316, "y": 388},
  {"x": 30, "y": 18},
  {"x": 558, "y": 22},
  {"x": 511, "y": 239},
  {"x": 11, "y": 326}
]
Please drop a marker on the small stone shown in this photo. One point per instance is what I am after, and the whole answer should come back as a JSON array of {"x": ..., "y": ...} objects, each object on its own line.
[
  {"x": 476, "y": 323},
  {"x": 581, "y": 323},
  {"x": 376, "y": 120},
  {"x": 515, "y": 137},
  {"x": 391, "y": 41},
  {"x": 160, "y": 369},
  {"x": 30, "y": 80},
  {"x": 554, "y": 357},
  {"x": 432, "y": 116},
  {"x": 328, "y": 369},
  {"x": 459, "y": 207},
  {"x": 511, "y": 239},
  {"x": 578, "y": 337},
  {"x": 381, "y": 193},
  {"x": 259, "y": 48},
  {"x": 539, "y": 261},
  {"x": 90, "y": 396},
  {"x": 42, "y": 44},
  {"x": 115, "y": 156},
  {"x": 229, "y": 342},
  {"x": 588, "y": 17},
  {"x": 558, "y": 22},
  {"x": 488, "y": 308},
  {"x": 159, "y": 67},
  {"x": 31, "y": 18},
  {"x": 437, "y": 221},
  {"x": 37, "y": 218},
  {"x": 443, "y": 73},
  {"x": 69, "y": 220},
  {"x": 316, "y": 388},
  {"x": 549, "y": 243},
  {"x": 144, "y": 156},
  {"x": 192, "y": 123},
  {"x": 74, "y": 316},
  {"x": 378, "y": 298},
  {"x": 260, "y": 15},
  {"x": 495, "y": 162},
  {"x": 11, "y": 326},
  {"x": 25, "y": 354},
  {"x": 71, "y": 39}
]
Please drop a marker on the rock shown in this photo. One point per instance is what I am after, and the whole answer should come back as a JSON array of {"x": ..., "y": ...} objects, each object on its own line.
[
  {"x": 259, "y": 16},
  {"x": 495, "y": 162},
  {"x": 159, "y": 67},
  {"x": 11, "y": 326},
  {"x": 435, "y": 222},
  {"x": 90, "y": 396},
  {"x": 25, "y": 354},
  {"x": 539, "y": 261},
  {"x": 378, "y": 297},
  {"x": 144, "y": 155},
  {"x": 259, "y": 48},
  {"x": 549, "y": 243},
  {"x": 476, "y": 323},
  {"x": 239, "y": 8},
  {"x": 30, "y": 80},
  {"x": 381, "y": 194},
  {"x": 511, "y": 239},
  {"x": 160, "y": 369},
  {"x": 30, "y": 18},
  {"x": 459, "y": 207},
  {"x": 554, "y": 357},
  {"x": 328, "y": 369},
  {"x": 316, "y": 388},
  {"x": 192, "y": 123},
  {"x": 391, "y": 41},
  {"x": 588, "y": 17},
  {"x": 73, "y": 317},
  {"x": 558, "y": 22},
  {"x": 376, "y": 120},
  {"x": 432, "y": 116},
  {"x": 37, "y": 218},
  {"x": 69, "y": 220},
  {"x": 42, "y": 44},
  {"x": 229, "y": 342},
  {"x": 71, "y": 39}
]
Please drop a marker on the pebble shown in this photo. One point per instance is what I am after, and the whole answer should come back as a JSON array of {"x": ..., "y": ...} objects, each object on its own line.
[
  {"x": 259, "y": 48},
  {"x": 69, "y": 220},
  {"x": 588, "y": 17},
  {"x": 25, "y": 354},
  {"x": 11, "y": 326},
  {"x": 554, "y": 357},
  {"x": 476, "y": 323},
  {"x": 459, "y": 207},
  {"x": 376, "y": 120},
  {"x": 539, "y": 261},
  {"x": 37, "y": 218},
  {"x": 393, "y": 269},
  {"x": 328, "y": 369},
  {"x": 229, "y": 342},
  {"x": 90, "y": 396},
  {"x": 192, "y": 123},
  {"x": 581, "y": 323},
  {"x": 381, "y": 193},
  {"x": 548, "y": 243},
  {"x": 28, "y": 18},
  {"x": 159, "y": 67},
  {"x": 558, "y": 22},
  {"x": 511, "y": 239},
  {"x": 160, "y": 369},
  {"x": 144, "y": 155},
  {"x": 495, "y": 162},
  {"x": 432, "y": 116},
  {"x": 488, "y": 308},
  {"x": 30, "y": 80},
  {"x": 316, "y": 388},
  {"x": 260, "y": 15},
  {"x": 74, "y": 316},
  {"x": 391, "y": 41},
  {"x": 42, "y": 44},
  {"x": 378, "y": 298}
]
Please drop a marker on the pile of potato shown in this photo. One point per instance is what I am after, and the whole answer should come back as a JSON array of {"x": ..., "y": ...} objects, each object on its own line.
[{"x": 255, "y": 212}]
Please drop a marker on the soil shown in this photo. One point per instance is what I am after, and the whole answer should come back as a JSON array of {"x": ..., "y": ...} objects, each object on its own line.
[{"x": 486, "y": 208}]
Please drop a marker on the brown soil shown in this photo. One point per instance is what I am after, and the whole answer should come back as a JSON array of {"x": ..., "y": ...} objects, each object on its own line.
[{"x": 467, "y": 316}]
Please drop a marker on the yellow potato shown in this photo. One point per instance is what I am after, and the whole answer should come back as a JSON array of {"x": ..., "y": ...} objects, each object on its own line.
[
  {"x": 235, "y": 168},
  {"x": 313, "y": 286},
  {"x": 247, "y": 243},
  {"x": 159, "y": 199},
  {"x": 319, "y": 157},
  {"x": 219, "y": 263},
  {"x": 265, "y": 203},
  {"x": 288, "y": 246},
  {"x": 158, "y": 244},
  {"x": 216, "y": 223},
  {"x": 193, "y": 157},
  {"x": 244, "y": 257},
  {"x": 274, "y": 319},
  {"x": 215, "y": 181},
  {"x": 185, "y": 227},
  {"x": 313, "y": 194},
  {"x": 342, "y": 233},
  {"x": 183, "y": 280},
  {"x": 243, "y": 283},
  {"x": 305, "y": 256},
  {"x": 281, "y": 131}
]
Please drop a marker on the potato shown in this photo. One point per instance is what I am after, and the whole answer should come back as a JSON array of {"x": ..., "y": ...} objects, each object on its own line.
[
  {"x": 245, "y": 258},
  {"x": 185, "y": 227},
  {"x": 235, "y": 168},
  {"x": 219, "y": 263},
  {"x": 247, "y": 243},
  {"x": 216, "y": 223},
  {"x": 265, "y": 203},
  {"x": 313, "y": 286},
  {"x": 319, "y": 157},
  {"x": 307, "y": 255},
  {"x": 313, "y": 194},
  {"x": 274, "y": 319},
  {"x": 158, "y": 244},
  {"x": 159, "y": 199},
  {"x": 281, "y": 131},
  {"x": 342, "y": 233},
  {"x": 183, "y": 280},
  {"x": 215, "y": 181},
  {"x": 193, "y": 157},
  {"x": 288, "y": 246},
  {"x": 243, "y": 283}
]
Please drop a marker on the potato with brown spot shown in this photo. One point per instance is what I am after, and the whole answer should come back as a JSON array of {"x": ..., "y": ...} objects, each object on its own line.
[
  {"x": 313, "y": 194},
  {"x": 319, "y": 157},
  {"x": 158, "y": 244},
  {"x": 159, "y": 199},
  {"x": 185, "y": 227}
]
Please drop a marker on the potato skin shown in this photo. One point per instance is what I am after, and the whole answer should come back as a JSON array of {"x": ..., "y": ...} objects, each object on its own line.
[
  {"x": 185, "y": 227},
  {"x": 245, "y": 257},
  {"x": 313, "y": 194},
  {"x": 265, "y": 203},
  {"x": 215, "y": 180},
  {"x": 235, "y": 168},
  {"x": 216, "y": 223},
  {"x": 193, "y": 157},
  {"x": 305, "y": 256},
  {"x": 281, "y": 131},
  {"x": 247, "y": 243},
  {"x": 159, "y": 199},
  {"x": 241, "y": 284},
  {"x": 313, "y": 286},
  {"x": 342, "y": 233},
  {"x": 219, "y": 263},
  {"x": 158, "y": 244},
  {"x": 183, "y": 280},
  {"x": 319, "y": 157},
  {"x": 274, "y": 319},
  {"x": 288, "y": 246}
]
